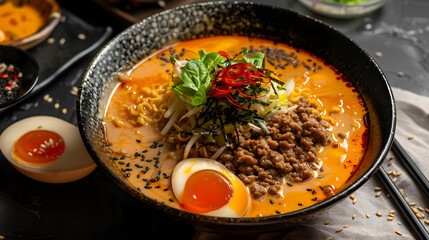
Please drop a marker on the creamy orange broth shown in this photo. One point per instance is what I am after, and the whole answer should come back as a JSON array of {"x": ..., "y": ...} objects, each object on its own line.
[{"x": 341, "y": 107}]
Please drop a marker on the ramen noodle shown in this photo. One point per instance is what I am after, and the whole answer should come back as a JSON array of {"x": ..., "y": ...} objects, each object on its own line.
[{"x": 235, "y": 127}]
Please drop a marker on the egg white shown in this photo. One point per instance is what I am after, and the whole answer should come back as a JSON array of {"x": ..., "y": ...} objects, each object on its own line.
[
  {"x": 73, "y": 164},
  {"x": 185, "y": 168}
]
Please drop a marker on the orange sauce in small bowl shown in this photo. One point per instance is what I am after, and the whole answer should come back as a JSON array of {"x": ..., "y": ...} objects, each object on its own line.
[{"x": 17, "y": 22}]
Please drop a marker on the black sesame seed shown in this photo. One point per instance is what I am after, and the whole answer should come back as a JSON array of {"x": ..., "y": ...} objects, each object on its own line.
[
  {"x": 122, "y": 157},
  {"x": 171, "y": 200},
  {"x": 159, "y": 154},
  {"x": 137, "y": 140},
  {"x": 166, "y": 189},
  {"x": 300, "y": 204},
  {"x": 147, "y": 168},
  {"x": 144, "y": 151},
  {"x": 319, "y": 176},
  {"x": 314, "y": 192},
  {"x": 322, "y": 169},
  {"x": 138, "y": 189},
  {"x": 278, "y": 212},
  {"x": 109, "y": 144},
  {"x": 309, "y": 189},
  {"x": 149, "y": 160},
  {"x": 154, "y": 145},
  {"x": 289, "y": 184},
  {"x": 138, "y": 165},
  {"x": 156, "y": 158},
  {"x": 161, "y": 145},
  {"x": 120, "y": 162},
  {"x": 127, "y": 175},
  {"x": 138, "y": 175},
  {"x": 123, "y": 170},
  {"x": 148, "y": 187},
  {"x": 137, "y": 154},
  {"x": 144, "y": 179},
  {"x": 321, "y": 188},
  {"x": 314, "y": 199},
  {"x": 157, "y": 187},
  {"x": 128, "y": 164},
  {"x": 271, "y": 201},
  {"x": 115, "y": 158},
  {"x": 129, "y": 169},
  {"x": 143, "y": 171},
  {"x": 153, "y": 180}
]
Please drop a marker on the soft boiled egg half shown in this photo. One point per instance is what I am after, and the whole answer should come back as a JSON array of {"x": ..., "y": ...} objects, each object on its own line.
[
  {"x": 46, "y": 149},
  {"x": 207, "y": 187}
]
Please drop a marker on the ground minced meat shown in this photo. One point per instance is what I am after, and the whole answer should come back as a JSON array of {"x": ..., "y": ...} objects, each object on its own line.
[{"x": 261, "y": 160}]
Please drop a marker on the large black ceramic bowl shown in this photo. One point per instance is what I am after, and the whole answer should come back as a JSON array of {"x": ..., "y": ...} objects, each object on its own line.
[{"x": 247, "y": 19}]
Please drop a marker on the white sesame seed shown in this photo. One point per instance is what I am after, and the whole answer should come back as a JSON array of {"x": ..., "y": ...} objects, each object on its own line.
[
  {"x": 62, "y": 41},
  {"x": 399, "y": 233},
  {"x": 81, "y": 36},
  {"x": 64, "y": 110},
  {"x": 400, "y": 74},
  {"x": 50, "y": 40},
  {"x": 57, "y": 105},
  {"x": 378, "y": 194},
  {"x": 378, "y": 213},
  {"x": 378, "y": 54}
]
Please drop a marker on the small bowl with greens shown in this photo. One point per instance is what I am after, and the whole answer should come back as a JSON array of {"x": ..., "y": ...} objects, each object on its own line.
[{"x": 343, "y": 8}]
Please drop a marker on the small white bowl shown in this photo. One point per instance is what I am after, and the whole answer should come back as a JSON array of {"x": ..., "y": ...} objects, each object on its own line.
[{"x": 73, "y": 164}]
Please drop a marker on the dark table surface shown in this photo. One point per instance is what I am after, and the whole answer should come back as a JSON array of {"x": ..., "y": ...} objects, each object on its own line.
[{"x": 95, "y": 208}]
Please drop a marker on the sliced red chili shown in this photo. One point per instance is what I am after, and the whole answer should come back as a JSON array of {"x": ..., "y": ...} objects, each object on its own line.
[{"x": 235, "y": 78}]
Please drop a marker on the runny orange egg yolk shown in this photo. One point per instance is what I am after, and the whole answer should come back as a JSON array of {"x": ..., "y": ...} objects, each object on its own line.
[
  {"x": 206, "y": 191},
  {"x": 39, "y": 147}
]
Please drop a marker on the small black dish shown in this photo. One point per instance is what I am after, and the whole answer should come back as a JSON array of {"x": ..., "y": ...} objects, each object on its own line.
[{"x": 27, "y": 65}]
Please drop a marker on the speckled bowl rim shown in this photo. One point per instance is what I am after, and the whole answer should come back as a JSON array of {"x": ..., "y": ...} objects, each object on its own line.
[{"x": 252, "y": 221}]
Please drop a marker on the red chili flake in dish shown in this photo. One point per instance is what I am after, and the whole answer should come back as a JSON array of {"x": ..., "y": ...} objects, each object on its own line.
[{"x": 10, "y": 82}]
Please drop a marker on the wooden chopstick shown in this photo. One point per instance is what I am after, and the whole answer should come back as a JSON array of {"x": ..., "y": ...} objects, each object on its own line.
[
  {"x": 411, "y": 217},
  {"x": 411, "y": 167}
]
